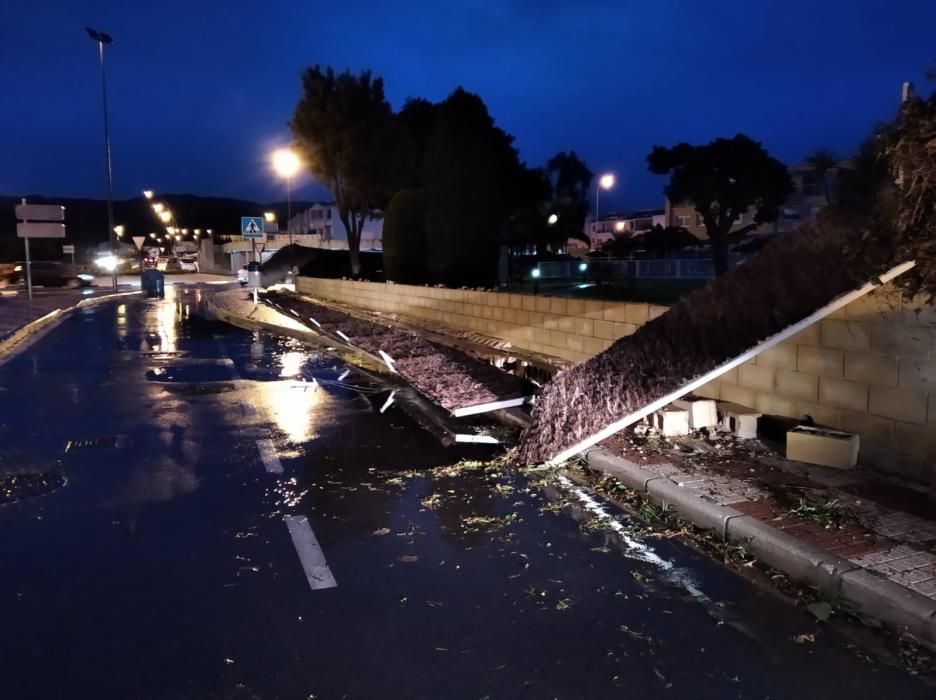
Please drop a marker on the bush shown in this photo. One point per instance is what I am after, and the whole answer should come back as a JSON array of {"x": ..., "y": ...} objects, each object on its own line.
[{"x": 404, "y": 238}]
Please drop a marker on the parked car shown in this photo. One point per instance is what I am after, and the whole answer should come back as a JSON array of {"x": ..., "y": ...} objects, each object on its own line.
[
  {"x": 50, "y": 274},
  {"x": 173, "y": 264},
  {"x": 189, "y": 263}
]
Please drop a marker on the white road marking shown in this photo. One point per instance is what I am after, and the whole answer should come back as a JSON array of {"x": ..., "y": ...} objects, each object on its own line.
[
  {"x": 310, "y": 553},
  {"x": 268, "y": 456}
]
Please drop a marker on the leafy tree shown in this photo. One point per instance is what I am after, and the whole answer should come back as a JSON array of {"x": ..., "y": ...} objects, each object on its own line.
[
  {"x": 528, "y": 224},
  {"x": 470, "y": 170},
  {"x": 821, "y": 162},
  {"x": 570, "y": 180},
  {"x": 343, "y": 126},
  {"x": 415, "y": 123},
  {"x": 404, "y": 238},
  {"x": 723, "y": 179}
]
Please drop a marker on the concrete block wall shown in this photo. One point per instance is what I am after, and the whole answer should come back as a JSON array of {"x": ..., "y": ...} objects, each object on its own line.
[
  {"x": 870, "y": 368},
  {"x": 573, "y": 329}
]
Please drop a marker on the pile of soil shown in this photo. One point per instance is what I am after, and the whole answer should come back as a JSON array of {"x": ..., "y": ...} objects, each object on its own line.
[
  {"x": 445, "y": 376},
  {"x": 784, "y": 283}
]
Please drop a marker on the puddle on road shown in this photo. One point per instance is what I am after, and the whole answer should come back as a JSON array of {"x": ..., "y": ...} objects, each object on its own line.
[{"x": 190, "y": 373}]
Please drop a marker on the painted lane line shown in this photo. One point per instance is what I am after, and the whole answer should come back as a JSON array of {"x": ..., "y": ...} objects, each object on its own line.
[
  {"x": 310, "y": 553},
  {"x": 268, "y": 456},
  {"x": 636, "y": 550}
]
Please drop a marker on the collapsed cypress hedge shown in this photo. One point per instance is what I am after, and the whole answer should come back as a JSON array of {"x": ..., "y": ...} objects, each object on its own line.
[{"x": 783, "y": 284}]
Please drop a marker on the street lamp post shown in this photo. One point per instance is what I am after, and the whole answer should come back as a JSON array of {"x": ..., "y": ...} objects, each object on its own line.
[
  {"x": 101, "y": 38},
  {"x": 286, "y": 164}
]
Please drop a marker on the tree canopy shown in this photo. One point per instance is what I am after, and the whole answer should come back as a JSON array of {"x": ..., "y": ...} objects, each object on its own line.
[
  {"x": 723, "y": 180},
  {"x": 343, "y": 128}
]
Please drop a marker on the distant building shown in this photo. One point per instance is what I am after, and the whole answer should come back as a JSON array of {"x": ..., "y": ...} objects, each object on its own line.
[
  {"x": 612, "y": 226},
  {"x": 807, "y": 200},
  {"x": 319, "y": 227}
]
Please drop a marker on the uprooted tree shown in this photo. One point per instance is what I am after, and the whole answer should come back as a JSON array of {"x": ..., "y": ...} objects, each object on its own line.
[
  {"x": 343, "y": 126},
  {"x": 840, "y": 251},
  {"x": 723, "y": 180}
]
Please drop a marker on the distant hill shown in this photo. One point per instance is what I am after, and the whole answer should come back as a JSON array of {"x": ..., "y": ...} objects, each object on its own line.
[{"x": 86, "y": 219}]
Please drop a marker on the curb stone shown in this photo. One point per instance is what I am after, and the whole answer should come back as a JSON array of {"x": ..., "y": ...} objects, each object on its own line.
[{"x": 876, "y": 597}]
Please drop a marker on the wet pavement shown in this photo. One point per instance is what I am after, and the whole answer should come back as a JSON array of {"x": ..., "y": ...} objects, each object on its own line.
[{"x": 176, "y": 559}]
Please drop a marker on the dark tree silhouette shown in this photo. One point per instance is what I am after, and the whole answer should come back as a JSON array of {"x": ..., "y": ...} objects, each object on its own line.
[
  {"x": 723, "y": 179},
  {"x": 343, "y": 126},
  {"x": 820, "y": 163}
]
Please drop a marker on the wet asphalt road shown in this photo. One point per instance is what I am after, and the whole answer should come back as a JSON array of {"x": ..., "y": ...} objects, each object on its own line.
[{"x": 164, "y": 568}]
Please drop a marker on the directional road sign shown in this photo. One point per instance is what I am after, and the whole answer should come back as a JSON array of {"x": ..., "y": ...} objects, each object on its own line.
[
  {"x": 40, "y": 212},
  {"x": 252, "y": 227},
  {"x": 68, "y": 249},
  {"x": 40, "y": 230}
]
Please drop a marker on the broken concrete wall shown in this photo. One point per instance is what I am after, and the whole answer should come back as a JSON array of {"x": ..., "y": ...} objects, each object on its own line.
[
  {"x": 869, "y": 369},
  {"x": 572, "y": 329}
]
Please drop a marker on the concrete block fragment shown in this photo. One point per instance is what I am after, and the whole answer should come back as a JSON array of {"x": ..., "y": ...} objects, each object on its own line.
[
  {"x": 671, "y": 421},
  {"x": 830, "y": 448},
  {"x": 702, "y": 412},
  {"x": 739, "y": 420}
]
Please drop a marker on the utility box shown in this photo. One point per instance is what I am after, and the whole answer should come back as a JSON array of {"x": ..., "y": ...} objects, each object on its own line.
[
  {"x": 738, "y": 420},
  {"x": 830, "y": 448},
  {"x": 702, "y": 412},
  {"x": 671, "y": 421}
]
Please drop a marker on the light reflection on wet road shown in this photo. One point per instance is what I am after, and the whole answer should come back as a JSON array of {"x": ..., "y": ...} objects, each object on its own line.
[{"x": 165, "y": 569}]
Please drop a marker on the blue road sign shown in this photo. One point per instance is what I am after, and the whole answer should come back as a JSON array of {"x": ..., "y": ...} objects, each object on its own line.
[{"x": 252, "y": 227}]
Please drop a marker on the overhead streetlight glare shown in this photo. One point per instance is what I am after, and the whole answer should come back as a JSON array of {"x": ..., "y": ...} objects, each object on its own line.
[
  {"x": 269, "y": 217},
  {"x": 619, "y": 226},
  {"x": 158, "y": 207},
  {"x": 152, "y": 235},
  {"x": 535, "y": 272},
  {"x": 148, "y": 194},
  {"x": 606, "y": 182},
  {"x": 119, "y": 230},
  {"x": 285, "y": 162},
  {"x": 553, "y": 218},
  {"x": 165, "y": 216}
]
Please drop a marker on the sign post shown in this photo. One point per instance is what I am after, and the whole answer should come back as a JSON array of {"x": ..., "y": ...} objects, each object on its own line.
[
  {"x": 38, "y": 221},
  {"x": 69, "y": 250},
  {"x": 252, "y": 228}
]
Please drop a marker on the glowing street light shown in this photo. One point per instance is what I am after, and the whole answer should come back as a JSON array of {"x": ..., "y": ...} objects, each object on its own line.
[
  {"x": 119, "y": 230},
  {"x": 185, "y": 232},
  {"x": 209, "y": 231},
  {"x": 286, "y": 164},
  {"x": 152, "y": 235},
  {"x": 553, "y": 218},
  {"x": 269, "y": 217},
  {"x": 605, "y": 182},
  {"x": 165, "y": 216},
  {"x": 159, "y": 207},
  {"x": 197, "y": 232},
  {"x": 148, "y": 194}
]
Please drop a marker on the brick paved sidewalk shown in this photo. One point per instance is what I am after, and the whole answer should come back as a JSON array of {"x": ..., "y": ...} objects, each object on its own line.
[
  {"x": 751, "y": 478},
  {"x": 16, "y": 312}
]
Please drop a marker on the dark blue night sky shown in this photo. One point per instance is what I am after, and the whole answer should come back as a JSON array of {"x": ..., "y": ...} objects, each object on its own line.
[{"x": 201, "y": 91}]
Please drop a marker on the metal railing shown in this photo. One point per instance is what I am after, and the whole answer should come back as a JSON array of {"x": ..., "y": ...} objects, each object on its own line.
[{"x": 650, "y": 268}]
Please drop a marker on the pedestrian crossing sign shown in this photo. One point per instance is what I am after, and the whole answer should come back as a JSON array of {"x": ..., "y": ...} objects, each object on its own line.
[{"x": 252, "y": 227}]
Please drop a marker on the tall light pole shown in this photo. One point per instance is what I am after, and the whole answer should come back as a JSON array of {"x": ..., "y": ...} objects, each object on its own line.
[
  {"x": 101, "y": 38},
  {"x": 286, "y": 164}
]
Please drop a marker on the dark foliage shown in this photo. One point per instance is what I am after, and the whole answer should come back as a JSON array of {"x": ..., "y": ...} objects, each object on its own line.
[
  {"x": 404, "y": 238},
  {"x": 723, "y": 179},
  {"x": 335, "y": 264}
]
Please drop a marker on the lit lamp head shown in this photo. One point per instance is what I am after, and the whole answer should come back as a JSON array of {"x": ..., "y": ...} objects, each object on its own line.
[
  {"x": 148, "y": 194},
  {"x": 285, "y": 162},
  {"x": 269, "y": 217},
  {"x": 583, "y": 267},
  {"x": 165, "y": 216},
  {"x": 553, "y": 218},
  {"x": 619, "y": 226},
  {"x": 606, "y": 181},
  {"x": 535, "y": 273},
  {"x": 119, "y": 230},
  {"x": 159, "y": 207}
]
